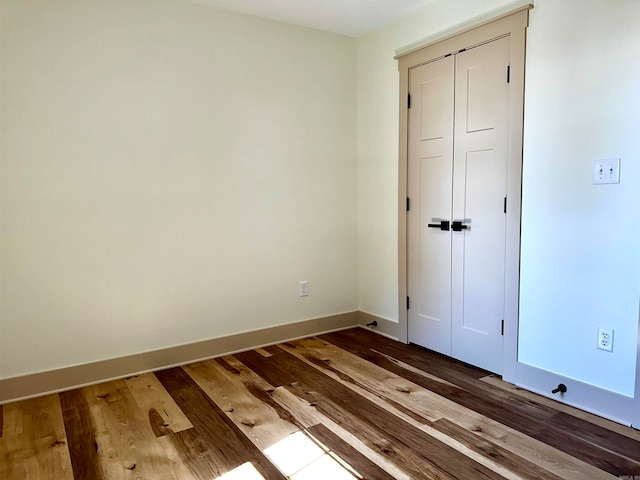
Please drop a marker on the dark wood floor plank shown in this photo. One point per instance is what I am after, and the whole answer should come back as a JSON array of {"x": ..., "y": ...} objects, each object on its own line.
[
  {"x": 600, "y": 436},
  {"x": 495, "y": 381},
  {"x": 449, "y": 369},
  {"x": 361, "y": 464},
  {"x": 215, "y": 445},
  {"x": 367, "y": 345},
  {"x": 81, "y": 436},
  {"x": 336, "y": 401},
  {"x": 1, "y": 420}
]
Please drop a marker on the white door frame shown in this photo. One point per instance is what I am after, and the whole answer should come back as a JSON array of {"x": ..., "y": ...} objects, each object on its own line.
[{"x": 512, "y": 24}]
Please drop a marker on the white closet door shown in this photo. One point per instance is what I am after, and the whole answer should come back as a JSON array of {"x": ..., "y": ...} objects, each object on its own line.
[
  {"x": 430, "y": 177},
  {"x": 479, "y": 190}
]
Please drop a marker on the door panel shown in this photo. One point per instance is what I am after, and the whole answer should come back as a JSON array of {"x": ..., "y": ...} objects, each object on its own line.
[
  {"x": 430, "y": 177},
  {"x": 479, "y": 189},
  {"x": 433, "y": 106},
  {"x": 480, "y": 93},
  {"x": 478, "y": 265}
]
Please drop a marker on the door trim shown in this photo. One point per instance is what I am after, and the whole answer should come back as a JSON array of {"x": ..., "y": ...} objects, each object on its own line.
[{"x": 513, "y": 25}]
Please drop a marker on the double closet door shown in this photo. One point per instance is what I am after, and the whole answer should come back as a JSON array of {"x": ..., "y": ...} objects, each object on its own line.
[{"x": 457, "y": 186}]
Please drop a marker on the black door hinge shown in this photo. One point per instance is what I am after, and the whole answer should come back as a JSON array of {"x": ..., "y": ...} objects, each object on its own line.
[
  {"x": 409, "y": 100},
  {"x": 408, "y": 204},
  {"x": 508, "y": 73},
  {"x": 502, "y": 329},
  {"x": 407, "y": 303},
  {"x": 505, "y": 204}
]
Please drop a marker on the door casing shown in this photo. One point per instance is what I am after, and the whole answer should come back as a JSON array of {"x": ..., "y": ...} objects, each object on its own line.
[{"x": 512, "y": 24}]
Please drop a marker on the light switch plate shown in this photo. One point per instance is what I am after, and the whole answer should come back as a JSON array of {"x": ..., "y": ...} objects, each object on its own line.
[{"x": 606, "y": 171}]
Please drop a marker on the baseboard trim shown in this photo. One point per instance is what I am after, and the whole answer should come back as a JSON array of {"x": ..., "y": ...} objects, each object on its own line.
[
  {"x": 54, "y": 381},
  {"x": 386, "y": 328}
]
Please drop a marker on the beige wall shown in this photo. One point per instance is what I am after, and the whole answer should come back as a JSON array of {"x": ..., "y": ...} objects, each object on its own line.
[{"x": 169, "y": 173}]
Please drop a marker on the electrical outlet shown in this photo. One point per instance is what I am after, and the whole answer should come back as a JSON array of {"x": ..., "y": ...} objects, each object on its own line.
[
  {"x": 605, "y": 339},
  {"x": 304, "y": 288}
]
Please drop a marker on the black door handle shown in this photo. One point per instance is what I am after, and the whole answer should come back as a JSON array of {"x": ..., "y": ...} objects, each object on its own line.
[
  {"x": 443, "y": 225},
  {"x": 458, "y": 226}
]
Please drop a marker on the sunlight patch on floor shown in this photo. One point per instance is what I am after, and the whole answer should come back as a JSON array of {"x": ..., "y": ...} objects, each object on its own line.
[
  {"x": 246, "y": 471},
  {"x": 323, "y": 468},
  {"x": 301, "y": 458}
]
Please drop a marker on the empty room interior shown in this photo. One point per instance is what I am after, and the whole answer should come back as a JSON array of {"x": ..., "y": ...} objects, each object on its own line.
[{"x": 281, "y": 239}]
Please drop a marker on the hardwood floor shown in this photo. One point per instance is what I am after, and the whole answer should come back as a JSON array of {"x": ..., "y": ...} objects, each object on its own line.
[{"x": 345, "y": 405}]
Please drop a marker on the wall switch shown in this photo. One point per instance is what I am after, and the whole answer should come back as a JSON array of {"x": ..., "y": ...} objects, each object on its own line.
[
  {"x": 304, "y": 288},
  {"x": 606, "y": 171},
  {"x": 605, "y": 339}
]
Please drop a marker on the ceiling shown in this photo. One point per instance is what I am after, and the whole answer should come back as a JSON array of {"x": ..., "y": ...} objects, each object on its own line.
[{"x": 346, "y": 17}]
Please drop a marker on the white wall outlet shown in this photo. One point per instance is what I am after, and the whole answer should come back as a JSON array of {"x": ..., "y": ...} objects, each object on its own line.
[
  {"x": 605, "y": 339},
  {"x": 304, "y": 288},
  {"x": 606, "y": 171}
]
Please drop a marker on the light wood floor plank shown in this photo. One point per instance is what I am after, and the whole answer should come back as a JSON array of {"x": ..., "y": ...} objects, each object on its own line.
[
  {"x": 125, "y": 433},
  {"x": 34, "y": 443},
  {"x": 255, "y": 418},
  {"x": 163, "y": 413}
]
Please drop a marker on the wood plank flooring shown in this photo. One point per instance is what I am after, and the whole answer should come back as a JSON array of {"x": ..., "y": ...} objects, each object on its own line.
[{"x": 346, "y": 405}]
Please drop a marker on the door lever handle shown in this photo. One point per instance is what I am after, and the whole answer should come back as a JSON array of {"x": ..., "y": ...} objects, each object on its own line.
[
  {"x": 443, "y": 225},
  {"x": 458, "y": 226}
]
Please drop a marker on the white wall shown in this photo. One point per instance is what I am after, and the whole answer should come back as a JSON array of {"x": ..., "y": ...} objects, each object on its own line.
[
  {"x": 169, "y": 172},
  {"x": 378, "y": 87},
  {"x": 580, "y": 242}
]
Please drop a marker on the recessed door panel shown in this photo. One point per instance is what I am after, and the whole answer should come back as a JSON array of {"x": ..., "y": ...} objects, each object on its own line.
[
  {"x": 434, "y": 294},
  {"x": 433, "y": 105},
  {"x": 483, "y": 262},
  {"x": 481, "y": 77}
]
